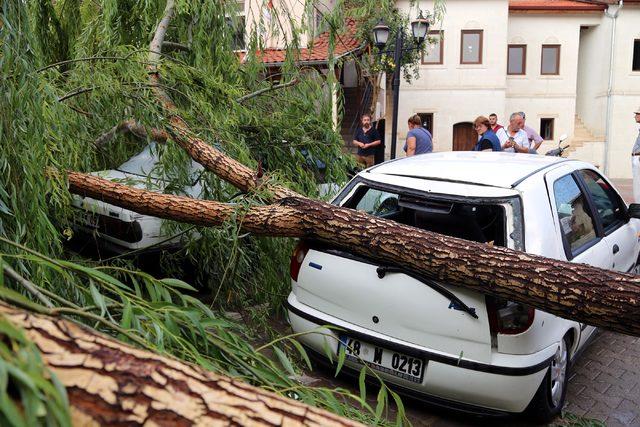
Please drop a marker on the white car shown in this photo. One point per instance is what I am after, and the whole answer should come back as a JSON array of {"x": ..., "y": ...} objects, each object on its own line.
[
  {"x": 447, "y": 344},
  {"x": 123, "y": 230}
]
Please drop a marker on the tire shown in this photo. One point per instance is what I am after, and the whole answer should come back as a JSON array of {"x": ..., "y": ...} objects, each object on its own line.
[{"x": 548, "y": 401}]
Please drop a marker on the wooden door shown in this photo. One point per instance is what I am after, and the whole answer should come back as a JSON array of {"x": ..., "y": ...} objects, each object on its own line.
[{"x": 464, "y": 137}]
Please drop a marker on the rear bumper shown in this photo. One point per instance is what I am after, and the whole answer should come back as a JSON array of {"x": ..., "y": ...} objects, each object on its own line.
[{"x": 449, "y": 380}]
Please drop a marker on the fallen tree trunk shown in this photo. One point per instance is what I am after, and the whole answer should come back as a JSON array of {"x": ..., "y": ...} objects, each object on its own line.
[
  {"x": 110, "y": 383},
  {"x": 580, "y": 292}
]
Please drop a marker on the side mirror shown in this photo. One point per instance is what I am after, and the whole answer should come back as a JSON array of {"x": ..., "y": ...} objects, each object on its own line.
[
  {"x": 634, "y": 210},
  {"x": 562, "y": 137}
]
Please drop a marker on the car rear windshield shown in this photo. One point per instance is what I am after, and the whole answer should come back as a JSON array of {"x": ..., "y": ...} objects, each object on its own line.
[{"x": 479, "y": 222}]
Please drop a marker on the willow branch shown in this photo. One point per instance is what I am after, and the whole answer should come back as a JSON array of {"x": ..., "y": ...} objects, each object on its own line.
[
  {"x": 259, "y": 92},
  {"x": 169, "y": 46},
  {"x": 87, "y": 59},
  {"x": 225, "y": 167},
  {"x": 76, "y": 92},
  {"x": 29, "y": 286},
  {"x": 134, "y": 128}
]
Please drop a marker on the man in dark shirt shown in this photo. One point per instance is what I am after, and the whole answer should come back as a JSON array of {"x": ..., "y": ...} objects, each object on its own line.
[{"x": 366, "y": 139}]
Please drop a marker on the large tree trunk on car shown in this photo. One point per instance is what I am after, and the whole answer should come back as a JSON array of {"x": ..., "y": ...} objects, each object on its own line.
[
  {"x": 110, "y": 383},
  {"x": 575, "y": 291}
]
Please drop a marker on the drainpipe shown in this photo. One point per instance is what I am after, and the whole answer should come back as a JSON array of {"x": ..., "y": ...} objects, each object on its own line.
[{"x": 607, "y": 137}]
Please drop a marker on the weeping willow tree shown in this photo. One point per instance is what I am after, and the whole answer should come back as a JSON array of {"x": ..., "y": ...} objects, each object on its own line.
[{"x": 76, "y": 95}]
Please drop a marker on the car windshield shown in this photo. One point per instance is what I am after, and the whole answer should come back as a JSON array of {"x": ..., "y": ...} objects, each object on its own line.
[
  {"x": 145, "y": 164},
  {"x": 479, "y": 222}
]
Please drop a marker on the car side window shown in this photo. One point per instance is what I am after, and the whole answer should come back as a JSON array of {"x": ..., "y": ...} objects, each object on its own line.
[
  {"x": 606, "y": 200},
  {"x": 574, "y": 215}
]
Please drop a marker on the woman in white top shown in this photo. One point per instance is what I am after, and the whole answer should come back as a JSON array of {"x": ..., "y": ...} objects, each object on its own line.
[{"x": 513, "y": 138}]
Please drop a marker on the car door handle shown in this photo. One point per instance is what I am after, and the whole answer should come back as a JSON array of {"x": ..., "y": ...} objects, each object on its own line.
[{"x": 616, "y": 249}]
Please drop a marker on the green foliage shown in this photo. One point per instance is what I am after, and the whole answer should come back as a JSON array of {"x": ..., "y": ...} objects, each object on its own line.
[
  {"x": 163, "y": 316},
  {"x": 71, "y": 70},
  {"x": 369, "y": 14},
  {"x": 51, "y": 115}
]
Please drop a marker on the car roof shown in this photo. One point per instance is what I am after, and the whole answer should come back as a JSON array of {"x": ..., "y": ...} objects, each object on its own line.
[{"x": 496, "y": 169}]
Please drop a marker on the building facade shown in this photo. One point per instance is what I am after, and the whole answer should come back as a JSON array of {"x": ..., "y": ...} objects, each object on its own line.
[{"x": 572, "y": 66}]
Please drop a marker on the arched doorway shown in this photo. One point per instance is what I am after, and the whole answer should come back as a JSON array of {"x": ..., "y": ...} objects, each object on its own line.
[{"x": 464, "y": 136}]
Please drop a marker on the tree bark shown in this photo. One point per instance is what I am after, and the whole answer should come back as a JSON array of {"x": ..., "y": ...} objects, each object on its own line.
[
  {"x": 110, "y": 383},
  {"x": 580, "y": 292}
]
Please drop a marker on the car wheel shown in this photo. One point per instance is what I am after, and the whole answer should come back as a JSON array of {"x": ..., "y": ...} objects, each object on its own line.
[{"x": 549, "y": 399}]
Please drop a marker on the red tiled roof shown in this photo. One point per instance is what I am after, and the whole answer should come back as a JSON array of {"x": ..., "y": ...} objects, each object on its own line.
[
  {"x": 569, "y": 5},
  {"x": 319, "y": 51}
]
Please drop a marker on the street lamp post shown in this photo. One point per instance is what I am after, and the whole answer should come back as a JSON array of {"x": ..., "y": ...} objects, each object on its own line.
[{"x": 419, "y": 29}]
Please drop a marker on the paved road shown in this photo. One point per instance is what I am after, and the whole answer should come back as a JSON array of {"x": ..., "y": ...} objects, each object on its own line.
[{"x": 605, "y": 383}]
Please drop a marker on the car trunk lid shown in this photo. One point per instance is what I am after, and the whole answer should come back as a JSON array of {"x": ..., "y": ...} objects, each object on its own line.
[{"x": 407, "y": 308}]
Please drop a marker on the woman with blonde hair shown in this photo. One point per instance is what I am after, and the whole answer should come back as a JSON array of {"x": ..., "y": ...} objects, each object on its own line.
[{"x": 419, "y": 140}]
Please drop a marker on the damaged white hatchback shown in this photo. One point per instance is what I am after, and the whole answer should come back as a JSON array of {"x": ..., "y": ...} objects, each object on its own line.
[
  {"x": 122, "y": 230},
  {"x": 441, "y": 342}
]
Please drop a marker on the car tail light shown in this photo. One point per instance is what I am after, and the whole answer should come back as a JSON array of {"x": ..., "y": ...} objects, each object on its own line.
[
  {"x": 508, "y": 317},
  {"x": 297, "y": 258}
]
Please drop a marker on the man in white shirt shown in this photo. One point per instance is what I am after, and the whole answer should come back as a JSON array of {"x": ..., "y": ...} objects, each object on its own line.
[{"x": 513, "y": 138}]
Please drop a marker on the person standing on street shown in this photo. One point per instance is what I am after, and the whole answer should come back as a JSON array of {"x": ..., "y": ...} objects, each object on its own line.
[
  {"x": 535, "y": 140},
  {"x": 367, "y": 139},
  {"x": 493, "y": 120},
  {"x": 635, "y": 161},
  {"x": 513, "y": 138},
  {"x": 419, "y": 139},
  {"x": 488, "y": 140}
]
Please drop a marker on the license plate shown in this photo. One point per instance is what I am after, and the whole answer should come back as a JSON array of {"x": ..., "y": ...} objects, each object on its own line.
[{"x": 382, "y": 359}]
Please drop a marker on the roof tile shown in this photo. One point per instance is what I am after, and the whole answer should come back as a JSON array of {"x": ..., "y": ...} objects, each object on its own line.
[
  {"x": 570, "y": 5},
  {"x": 319, "y": 51}
]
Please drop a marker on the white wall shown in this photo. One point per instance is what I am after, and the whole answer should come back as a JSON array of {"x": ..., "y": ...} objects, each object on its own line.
[
  {"x": 547, "y": 96},
  {"x": 625, "y": 94},
  {"x": 593, "y": 71},
  {"x": 453, "y": 92},
  {"x": 274, "y": 25}
]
